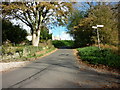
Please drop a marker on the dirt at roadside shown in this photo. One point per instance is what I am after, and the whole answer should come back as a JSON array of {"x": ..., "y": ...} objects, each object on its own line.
[{"x": 7, "y": 66}]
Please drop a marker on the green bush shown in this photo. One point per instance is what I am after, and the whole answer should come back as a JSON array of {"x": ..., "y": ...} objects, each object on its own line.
[
  {"x": 63, "y": 43},
  {"x": 95, "y": 56},
  {"x": 13, "y": 33}
]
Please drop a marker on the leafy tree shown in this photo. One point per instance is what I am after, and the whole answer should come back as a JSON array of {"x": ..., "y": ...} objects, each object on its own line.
[
  {"x": 96, "y": 15},
  {"x": 80, "y": 34},
  {"x": 74, "y": 19},
  {"x": 102, "y": 14},
  {"x": 36, "y": 14},
  {"x": 45, "y": 33},
  {"x": 12, "y": 32}
]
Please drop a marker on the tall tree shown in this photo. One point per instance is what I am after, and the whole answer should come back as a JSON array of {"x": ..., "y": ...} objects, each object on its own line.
[
  {"x": 103, "y": 14},
  {"x": 35, "y": 14},
  {"x": 100, "y": 13},
  {"x": 79, "y": 33}
]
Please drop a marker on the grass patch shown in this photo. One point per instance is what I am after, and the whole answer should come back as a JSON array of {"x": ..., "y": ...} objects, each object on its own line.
[
  {"x": 39, "y": 55},
  {"x": 95, "y": 56}
]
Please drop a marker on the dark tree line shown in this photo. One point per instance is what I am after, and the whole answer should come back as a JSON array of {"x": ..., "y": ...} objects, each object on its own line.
[
  {"x": 16, "y": 35},
  {"x": 13, "y": 33}
]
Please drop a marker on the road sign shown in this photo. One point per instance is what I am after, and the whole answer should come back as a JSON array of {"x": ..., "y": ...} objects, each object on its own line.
[
  {"x": 94, "y": 27},
  {"x": 100, "y": 25}
]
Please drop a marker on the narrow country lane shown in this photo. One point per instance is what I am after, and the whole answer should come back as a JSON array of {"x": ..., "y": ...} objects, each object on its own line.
[{"x": 58, "y": 70}]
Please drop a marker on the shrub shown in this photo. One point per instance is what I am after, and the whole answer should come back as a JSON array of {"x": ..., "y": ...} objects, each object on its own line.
[
  {"x": 95, "y": 56},
  {"x": 13, "y": 33}
]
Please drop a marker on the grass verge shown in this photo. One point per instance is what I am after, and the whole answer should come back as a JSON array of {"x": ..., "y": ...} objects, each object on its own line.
[{"x": 95, "y": 56}]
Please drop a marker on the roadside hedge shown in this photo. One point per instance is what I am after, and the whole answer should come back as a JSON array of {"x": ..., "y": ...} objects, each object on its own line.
[
  {"x": 95, "y": 56},
  {"x": 63, "y": 43}
]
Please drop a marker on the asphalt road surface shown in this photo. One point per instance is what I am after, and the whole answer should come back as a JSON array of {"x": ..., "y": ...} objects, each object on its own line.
[{"x": 58, "y": 70}]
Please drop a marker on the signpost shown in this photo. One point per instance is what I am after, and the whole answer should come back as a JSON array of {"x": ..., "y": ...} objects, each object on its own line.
[
  {"x": 100, "y": 25},
  {"x": 98, "y": 37},
  {"x": 94, "y": 27}
]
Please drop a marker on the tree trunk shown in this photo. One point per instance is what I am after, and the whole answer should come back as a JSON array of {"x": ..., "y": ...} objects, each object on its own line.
[{"x": 36, "y": 38}]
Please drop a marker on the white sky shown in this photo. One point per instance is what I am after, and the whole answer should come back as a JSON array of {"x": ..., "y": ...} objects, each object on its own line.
[
  {"x": 24, "y": 26},
  {"x": 65, "y": 36}
]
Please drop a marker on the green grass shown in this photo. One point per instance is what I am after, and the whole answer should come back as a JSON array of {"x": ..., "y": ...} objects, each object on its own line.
[
  {"x": 35, "y": 56},
  {"x": 95, "y": 56},
  {"x": 62, "y": 43}
]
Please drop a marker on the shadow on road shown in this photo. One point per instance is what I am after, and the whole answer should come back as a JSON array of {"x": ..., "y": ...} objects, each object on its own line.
[
  {"x": 65, "y": 47},
  {"x": 59, "y": 69}
]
